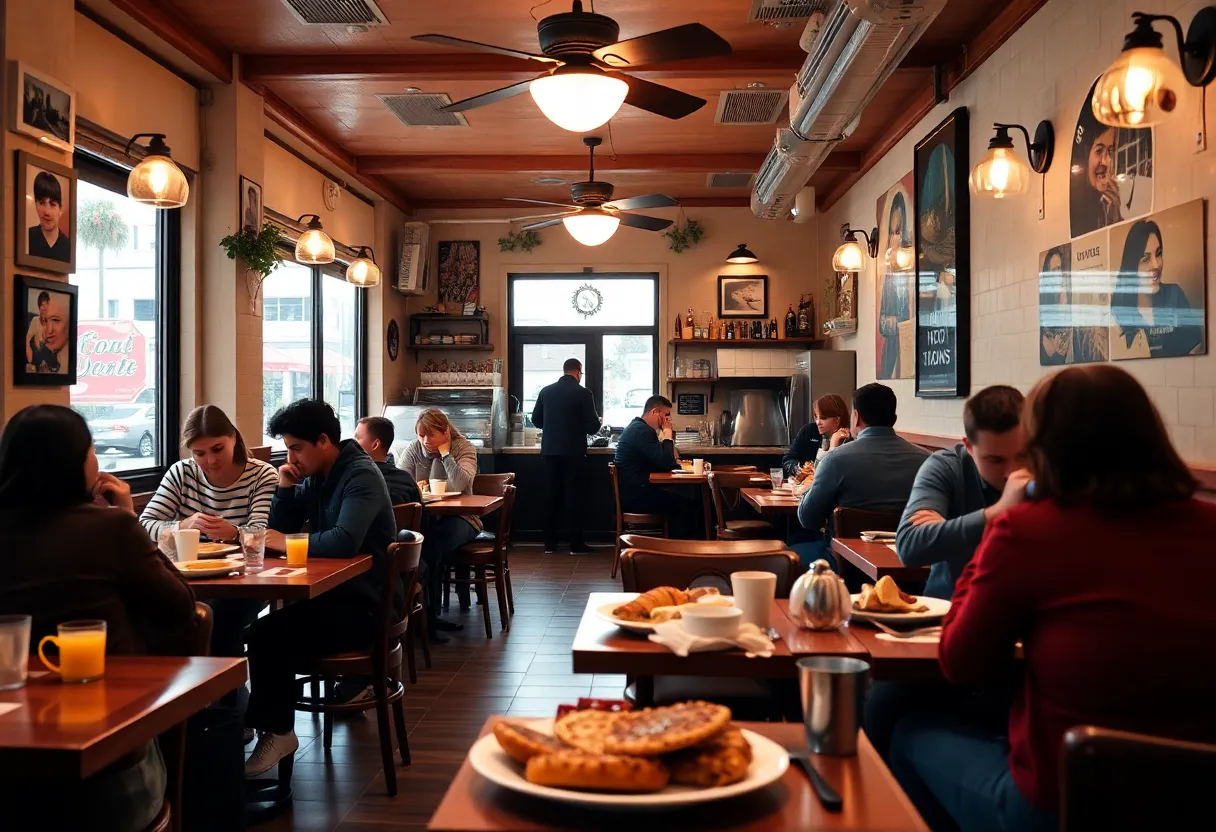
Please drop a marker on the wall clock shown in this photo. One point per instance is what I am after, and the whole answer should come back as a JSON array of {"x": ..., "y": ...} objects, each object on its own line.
[{"x": 587, "y": 300}]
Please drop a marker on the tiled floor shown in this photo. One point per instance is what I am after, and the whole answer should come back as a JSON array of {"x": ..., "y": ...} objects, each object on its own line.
[{"x": 525, "y": 672}]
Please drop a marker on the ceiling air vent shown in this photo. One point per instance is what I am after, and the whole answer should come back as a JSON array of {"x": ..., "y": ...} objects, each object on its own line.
[
  {"x": 337, "y": 12},
  {"x": 775, "y": 11},
  {"x": 750, "y": 106},
  {"x": 422, "y": 109},
  {"x": 728, "y": 180}
]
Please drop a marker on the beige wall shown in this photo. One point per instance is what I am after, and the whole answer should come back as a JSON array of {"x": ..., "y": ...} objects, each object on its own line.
[
  {"x": 1043, "y": 71},
  {"x": 291, "y": 187}
]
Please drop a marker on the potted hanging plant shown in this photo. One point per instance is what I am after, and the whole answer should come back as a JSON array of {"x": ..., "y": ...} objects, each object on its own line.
[
  {"x": 258, "y": 251},
  {"x": 523, "y": 241},
  {"x": 681, "y": 237}
]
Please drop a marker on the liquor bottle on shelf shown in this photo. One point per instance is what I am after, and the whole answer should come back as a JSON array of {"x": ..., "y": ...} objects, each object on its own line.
[
  {"x": 791, "y": 323},
  {"x": 678, "y": 332},
  {"x": 711, "y": 331},
  {"x": 764, "y": 330},
  {"x": 689, "y": 324},
  {"x": 730, "y": 332},
  {"x": 804, "y": 321},
  {"x": 772, "y": 329}
]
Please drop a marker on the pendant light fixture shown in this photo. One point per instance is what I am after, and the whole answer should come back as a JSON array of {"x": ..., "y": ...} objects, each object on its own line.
[
  {"x": 157, "y": 180},
  {"x": 1142, "y": 87},
  {"x": 363, "y": 270},
  {"x": 314, "y": 246},
  {"x": 1002, "y": 172},
  {"x": 591, "y": 226},
  {"x": 578, "y": 98},
  {"x": 742, "y": 255},
  {"x": 851, "y": 257}
]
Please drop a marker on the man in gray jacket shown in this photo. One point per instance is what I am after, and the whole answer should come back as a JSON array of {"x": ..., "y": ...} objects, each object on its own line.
[{"x": 959, "y": 490}]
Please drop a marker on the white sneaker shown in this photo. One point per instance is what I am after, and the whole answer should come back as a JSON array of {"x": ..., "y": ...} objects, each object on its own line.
[
  {"x": 250, "y": 735},
  {"x": 271, "y": 748}
]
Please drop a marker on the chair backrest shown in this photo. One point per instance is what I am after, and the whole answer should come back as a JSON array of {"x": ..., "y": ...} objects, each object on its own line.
[
  {"x": 201, "y": 627},
  {"x": 408, "y": 516},
  {"x": 502, "y": 537},
  {"x": 616, "y": 497},
  {"x": 491, "y": 485},
  {"x": 734, "y": 468},
  {"x": 725, "y": 485},
  {"x": 851, "y": 522},
  {"x": 642, "y": 570},
  {"x": 676, "y": 546},
  {"x": 1118, "y": 780},
  {"x": 400, "y": 564},
  {"x": 261, "y": 452}
]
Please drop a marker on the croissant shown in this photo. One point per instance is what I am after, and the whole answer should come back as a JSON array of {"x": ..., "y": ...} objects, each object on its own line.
[{"x": 639, "y": 608}]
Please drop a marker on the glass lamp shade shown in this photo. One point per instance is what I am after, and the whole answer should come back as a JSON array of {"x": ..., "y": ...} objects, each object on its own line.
[
  {"x": 157, "y": 181},
  {"x": 1141, "y": 88},
  {"x": 591, "y": 228},
  {"x": 850, "y": 257},
  {"x": 903, "y": 258},
  {"x": 363, "y": 271},
  {"x": 1002, "y": 173},
  {"x": 579, "y": 101},
  {"x": 315, "y": 247}
]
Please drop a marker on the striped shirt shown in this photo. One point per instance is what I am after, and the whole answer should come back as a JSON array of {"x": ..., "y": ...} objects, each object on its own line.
[{"x": 185, "y": 491}]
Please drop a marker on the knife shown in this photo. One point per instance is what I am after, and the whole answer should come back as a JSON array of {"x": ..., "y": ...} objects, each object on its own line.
[{"x": 826, "y": 794}]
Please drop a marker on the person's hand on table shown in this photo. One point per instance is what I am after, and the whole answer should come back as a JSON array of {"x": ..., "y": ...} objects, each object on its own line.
[
  {"x": 924, "y": 517},
  {"x": 1014, "y": 493},
  {"x": 289, "y": 475},
  {"x": 115, "y": 491},
  {"x": 216, "y": 528},
  {"x": 276, "y": 541}
]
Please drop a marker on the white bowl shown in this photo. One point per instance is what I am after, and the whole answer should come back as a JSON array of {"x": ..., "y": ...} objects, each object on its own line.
[{"x": 707, "y": 621}]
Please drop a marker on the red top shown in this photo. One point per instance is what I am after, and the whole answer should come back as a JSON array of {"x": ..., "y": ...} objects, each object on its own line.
[{"x": 1117, "y": 619}]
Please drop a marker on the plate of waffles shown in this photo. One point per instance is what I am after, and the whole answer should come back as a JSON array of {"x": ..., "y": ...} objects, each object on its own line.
[
  {"x": 210, "y": 568},
  {"x": 217, "y": 550},
  {"x": 679, "y": 755}
]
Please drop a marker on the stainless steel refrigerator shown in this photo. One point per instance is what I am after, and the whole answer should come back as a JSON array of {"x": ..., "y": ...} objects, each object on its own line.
[{"x": 770, "y": 413}]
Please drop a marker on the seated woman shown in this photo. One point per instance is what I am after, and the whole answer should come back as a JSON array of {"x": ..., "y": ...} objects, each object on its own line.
[
  {"x": 441, "y": 453},
  {"x": 68, "y": 559},
  {"x": 1066, "y": 574},
  {"x": 830, "y": 429}
]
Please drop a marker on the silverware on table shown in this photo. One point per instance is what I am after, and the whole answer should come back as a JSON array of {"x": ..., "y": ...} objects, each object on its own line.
[
  {"x": 935, "y": 630},
  {"x": 823, "y": 790}
]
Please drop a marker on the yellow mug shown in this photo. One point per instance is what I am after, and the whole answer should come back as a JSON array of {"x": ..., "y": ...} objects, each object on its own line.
[
  {"x": 297, "y": 549},
  {"x": 82, "y": 651}
]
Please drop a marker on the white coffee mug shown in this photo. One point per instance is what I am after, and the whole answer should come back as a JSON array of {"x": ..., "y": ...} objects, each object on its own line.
[
  {"x": 186, "y": 541},
  {"x": 754, "y": 593},
  {"x": 439, "y": 486},
  {"x": 698, "y": 467}
]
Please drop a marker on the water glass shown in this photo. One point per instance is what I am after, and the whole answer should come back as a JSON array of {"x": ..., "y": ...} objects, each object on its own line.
[
  {"x": 167, "y": 540},
  {"x": 253, "y": 547},
  {"x": 14, "y": 650},
  {"x": 777, "y": 476},
  {"x": 833, "y": 692}
]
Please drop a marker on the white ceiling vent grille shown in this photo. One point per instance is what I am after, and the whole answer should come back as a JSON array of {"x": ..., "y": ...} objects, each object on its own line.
[
  {"x": 422, "y": 109},
  {"x": 750, "y": 106},
  {"x": 337, "y": 12},
  {"x": 775, "y": 11},
  {"x": 728, "y": 180}
]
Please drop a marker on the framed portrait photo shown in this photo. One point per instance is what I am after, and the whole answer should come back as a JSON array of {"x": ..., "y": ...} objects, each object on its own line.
[
  {"x": 43, "y": 108},
  {"x": 742, "y": 296},
  {"x": 251, "y": 204},
  {"x": 44, "y": 332},
  {"x": 46, "y": 215}
]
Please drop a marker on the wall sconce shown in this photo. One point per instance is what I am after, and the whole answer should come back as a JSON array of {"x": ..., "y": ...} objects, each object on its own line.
[
  {"x": 1002, "y": 172},
  {"x": 157, "y": 180},
  {"x": 1141, "y": 87},
  {"x": 314, "y": 245},
  {"x": 363, "y": 270},
  {"x": 742, "y": 255},
  {"x": 851, "y": 257}
]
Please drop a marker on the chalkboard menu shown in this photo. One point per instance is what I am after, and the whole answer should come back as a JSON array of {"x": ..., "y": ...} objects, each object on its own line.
[{"x": 690, "y": 404}]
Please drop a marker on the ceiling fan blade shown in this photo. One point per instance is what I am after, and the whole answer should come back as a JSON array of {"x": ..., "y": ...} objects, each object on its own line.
[
  {"x": 542, "y": 216},
  {"x": 444, "y": 40},
  {"x": 638, "y": 203},
  {"x": 680, "y": 43},
  {"x": 536, "y": 226},
  {"x": 565, "y": 205},
  {"x": 492, "y": 97},
  {"x": 644, "y": 222},
  {"x": 660, "y": 100}
]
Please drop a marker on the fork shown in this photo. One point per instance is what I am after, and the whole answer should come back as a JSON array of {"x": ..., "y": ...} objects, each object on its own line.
[{"x": 920, "y": 631}]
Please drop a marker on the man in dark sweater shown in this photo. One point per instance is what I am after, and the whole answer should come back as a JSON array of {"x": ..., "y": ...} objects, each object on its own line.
[
  {"x": 336, "y": 488},
  {"x": 565, "y": 411},
  {"x": 645, "y": 447},
  {"x": 375, "y": 435}
]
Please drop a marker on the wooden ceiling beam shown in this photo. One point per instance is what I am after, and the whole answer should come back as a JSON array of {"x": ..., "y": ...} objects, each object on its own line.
[
  {"x": 156, "y": 18},
  {"x": 481, "y": 204},
  {"x": 577, "y": 164}
]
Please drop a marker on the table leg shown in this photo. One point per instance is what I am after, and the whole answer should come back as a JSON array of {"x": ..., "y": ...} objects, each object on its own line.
[
  {"x": 707, "y": 509},
  {"x": 265, "y": 799}
]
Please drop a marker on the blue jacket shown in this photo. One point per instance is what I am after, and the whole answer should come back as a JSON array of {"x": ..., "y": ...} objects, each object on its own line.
[
  {"x": 950, "y": 484},
  {"x": 638, "y": 454}
]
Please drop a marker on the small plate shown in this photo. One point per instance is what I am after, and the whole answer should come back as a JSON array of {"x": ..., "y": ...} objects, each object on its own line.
[
  {"x": 604, "y": 613},
  {"x": 434, "y": 498},
  {"x": 217, "y": 550},
  {"x": 938, "y": 607},
  {"x": 211, "y": 569}
]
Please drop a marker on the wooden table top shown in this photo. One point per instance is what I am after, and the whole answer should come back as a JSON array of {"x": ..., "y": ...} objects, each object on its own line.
[
  {"x": 683, "y": 478},
  {"x": 893, "y": 659},
  {"x": 321, "y": 575},
  {"x": 472, "y": 505},
  {"x": 872, "y": 801},
  {"x": 877, "y": 560},
  {"x": 767, "y": 501},
  {"x": 74, "y": 731}
]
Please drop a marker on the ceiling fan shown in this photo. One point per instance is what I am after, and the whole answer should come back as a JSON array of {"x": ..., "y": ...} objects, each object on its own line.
[
  {"x": 585, "y": 86},
  {"x": 595, "y": 216}
]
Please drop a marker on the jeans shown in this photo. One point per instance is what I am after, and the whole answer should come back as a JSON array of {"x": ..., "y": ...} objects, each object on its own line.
[
  {"x": 957, "y": 774},
  {"x": 680, "y": 504},
  {"x": 441, "y": 537},
  {"x": 888, "y": 703},
  {"x": 809, "y": 551},
  {"x": 231, "y": 617},
  {"x": 565, "y": 475}
]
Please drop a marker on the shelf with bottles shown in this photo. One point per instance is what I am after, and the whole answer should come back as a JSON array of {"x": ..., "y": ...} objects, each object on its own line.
[{"x": 749, "y": 332}]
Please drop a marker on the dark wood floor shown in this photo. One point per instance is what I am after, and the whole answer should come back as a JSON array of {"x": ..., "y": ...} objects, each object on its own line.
[{"x": 525, "y": 672}]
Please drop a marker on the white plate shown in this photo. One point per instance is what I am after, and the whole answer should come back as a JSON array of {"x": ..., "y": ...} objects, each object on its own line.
[
  {"x": 769, "y": 762},
  {"x": 221, "y": 569},
  {"x": 604, "y": 612},
  {"x": 219, "y": 553},
  {"x": 434, "y": 498},
  {"x": 879, "y": 536},
  {"x": 938, "y": 607}
]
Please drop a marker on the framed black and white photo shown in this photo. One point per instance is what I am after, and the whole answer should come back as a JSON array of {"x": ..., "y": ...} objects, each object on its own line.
[
  {"x": 251, "y": 204},
  {"x": 44, "y": 332},
  {"x": 46, "y": 215},
  {"x": 742, "y": 296},
  {"x": 43, "y": 108}
]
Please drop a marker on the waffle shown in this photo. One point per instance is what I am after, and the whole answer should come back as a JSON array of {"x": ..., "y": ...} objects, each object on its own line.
[
  {"x": 573, "y": 769},
  {"x": 719, "y": 761},
  {"x": 522, "y": 743},
  {"x": 586, "y": 730},
  {"x": 657, "y": 731}
]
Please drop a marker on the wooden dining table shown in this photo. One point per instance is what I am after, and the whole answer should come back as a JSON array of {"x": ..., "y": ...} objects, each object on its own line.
[
  {"x": 872, "y": 801},
  {"x": 458, "y": 505},
  {"x": 702, "y": 480},
  {"x": 767, "y": 501},
  {"x": 876, "y": 560},
  {"x": 278, "y": 582}
]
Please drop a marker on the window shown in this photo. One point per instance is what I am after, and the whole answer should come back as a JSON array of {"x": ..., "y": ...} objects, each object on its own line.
[
  {"x": 338, "y": 349},
  {"x": 111, "y": 308},
  {"x": 145, "y": 310},
  {"x": 617, "y": 341}
]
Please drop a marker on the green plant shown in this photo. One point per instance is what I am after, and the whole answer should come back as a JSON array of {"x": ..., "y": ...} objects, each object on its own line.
[
  {"x": 258, "y": 250},
  {"x": 519, "y": 241},
  {"x": 684, "y": 237},
  {"x": 101, "y": 225}
]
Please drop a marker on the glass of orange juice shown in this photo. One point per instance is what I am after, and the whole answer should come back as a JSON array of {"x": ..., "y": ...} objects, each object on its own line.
[
  {"x": 82, "y": 651},
  {"x": 297, "y": 549}
]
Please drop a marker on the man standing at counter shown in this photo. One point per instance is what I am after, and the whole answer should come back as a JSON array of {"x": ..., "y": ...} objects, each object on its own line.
[
  {"x": 565, "y": 412},
  {"x": 646, "y": 446}
]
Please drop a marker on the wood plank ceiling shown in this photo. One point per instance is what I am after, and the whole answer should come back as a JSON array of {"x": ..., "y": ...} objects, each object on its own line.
[{"x": 323, "y": 81}]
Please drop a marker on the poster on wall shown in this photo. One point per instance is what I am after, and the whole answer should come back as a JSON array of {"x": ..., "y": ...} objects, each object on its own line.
[
  {"x": 45, "y": 314},
  {"x": 1159, "y": 296},
  {"x": 895, "y": 331},
  {"x": 459, "y": 272},
  {"x": 943, "y": 260},
  {"x": 1074, "y": 302},
  {"x": 1111, "y": 176}
]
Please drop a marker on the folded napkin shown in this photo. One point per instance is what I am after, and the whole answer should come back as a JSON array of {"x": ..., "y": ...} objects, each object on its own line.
[
  {"x": 928, "y": 638},
  {"x": 673, "y": 636}
]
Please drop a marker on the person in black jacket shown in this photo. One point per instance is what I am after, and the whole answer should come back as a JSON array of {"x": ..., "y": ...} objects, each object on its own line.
[
  {"x": 645, "y": 447},
  {"x": 565, "y": 411},
  {"x": 375, "y": 434}
]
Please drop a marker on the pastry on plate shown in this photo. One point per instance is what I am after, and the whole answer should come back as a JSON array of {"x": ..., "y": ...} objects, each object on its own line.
[
  {"x": 719, "y": 761},
  {"x": 656, "y": 731},
  {"x": 887, "y": 597},
  {"x": 640, "y": 608},
  {"x": 573, "y": 769},
  {"x": 522, "y": 743},
  {"x": 214, "y": 548},
  {"x": 586, "y": 730}
]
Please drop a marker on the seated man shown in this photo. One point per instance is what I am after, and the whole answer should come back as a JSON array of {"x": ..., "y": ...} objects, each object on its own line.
[
  {"x": 336, "y": 488},
  {"x": 959, "y": 490},
  {"x": 375, "y": 434},
  {"x": 645, "y": 447},
  {"x": 874, "y": 472}
]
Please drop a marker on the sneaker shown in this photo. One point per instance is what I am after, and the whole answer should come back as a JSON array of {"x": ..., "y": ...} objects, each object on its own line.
[
  {"x": 271, "y": 748},
  {"x": 250, "y": 735},
  {"x": 366, "y": 695}
]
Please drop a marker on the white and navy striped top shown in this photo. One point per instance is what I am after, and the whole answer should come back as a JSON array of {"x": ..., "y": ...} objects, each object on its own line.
[{"x": 184, "y": 491}]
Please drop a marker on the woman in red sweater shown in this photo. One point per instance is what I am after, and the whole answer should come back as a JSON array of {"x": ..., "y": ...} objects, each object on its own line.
[{"x": 1105, "y": 577}]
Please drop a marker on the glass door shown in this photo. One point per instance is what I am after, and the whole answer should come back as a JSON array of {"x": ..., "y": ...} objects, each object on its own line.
[{"x": 540, "y": 363}]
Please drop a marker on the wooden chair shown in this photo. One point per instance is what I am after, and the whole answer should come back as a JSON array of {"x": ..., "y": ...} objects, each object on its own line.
[
  {"x": 381, "y": 661},
  {"x": 642, "y": 570},
  {"x": 261, "y": 452},
  {"x": 409, "y": 518},
  {"x": 487, "y": 561},
  {"x": 851, "y": 522},
  {"x": 1119, "y": 780},
  {"x": 676, "y": 546},
  {"x": 653, "y": 525},
  {"x": 724, "y": 486}
]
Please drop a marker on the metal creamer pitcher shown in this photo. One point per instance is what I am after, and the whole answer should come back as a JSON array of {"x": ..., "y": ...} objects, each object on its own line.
[{"x": 819, "y": 599}]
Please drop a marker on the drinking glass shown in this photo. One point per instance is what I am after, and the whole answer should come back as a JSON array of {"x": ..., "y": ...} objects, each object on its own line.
[
  {"x": 14, "y": 650},
  {"x": 253, "y": 547},
  {"x": 187, "y": 544},
  {"x": 297, "y": 549},
  {"x": 833, "y": 692},
  {"x": 777, "y": 476},
  {"x": 167, "y": 540},
  {"x": 82, "y": 651},
  {"x": 754, "y": 593}
]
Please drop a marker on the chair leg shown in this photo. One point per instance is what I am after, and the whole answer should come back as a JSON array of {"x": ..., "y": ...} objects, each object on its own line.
[
  {"x": 420, "y": 622},
  {"x": 409, "y": 654},
  {"x": 327, "y": 719},
  {"x": 386, "y": 740},
  {"x": 616, "y": 556},
  {"x": 501, "y": 592},
  {"x": 447, "y": 588},
  {"x": 485, "y": 608},
  {"x": 510, "y": 592},
  {"x": 481, "y": 594},
  {"x": 403, "y": 740},
  {"x": 316, "y": 688}
]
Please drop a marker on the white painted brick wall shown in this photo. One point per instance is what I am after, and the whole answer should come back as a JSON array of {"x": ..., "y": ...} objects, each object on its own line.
[{"x": 1043, "y": 71}]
